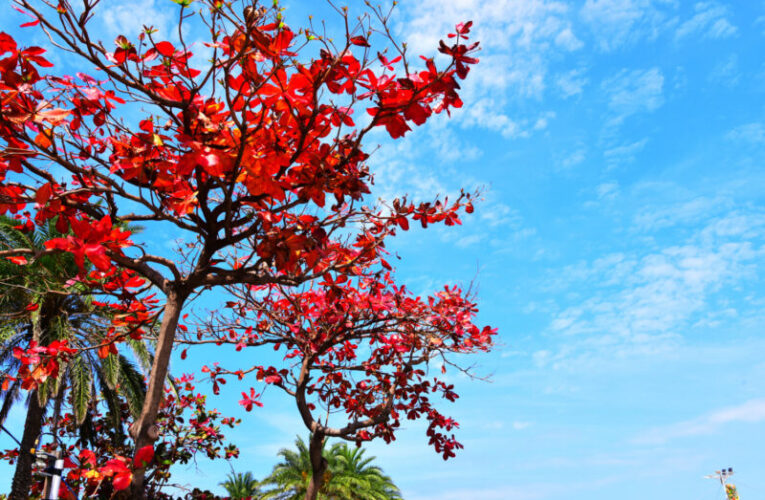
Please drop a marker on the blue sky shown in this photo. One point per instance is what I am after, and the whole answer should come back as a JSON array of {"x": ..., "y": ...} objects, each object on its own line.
[{"x": 619, "y": 249}]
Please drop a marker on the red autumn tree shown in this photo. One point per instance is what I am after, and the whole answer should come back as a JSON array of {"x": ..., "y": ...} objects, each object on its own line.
[
  {"x": 356, "y": 354},
  {"x": 256, "y": 157}
]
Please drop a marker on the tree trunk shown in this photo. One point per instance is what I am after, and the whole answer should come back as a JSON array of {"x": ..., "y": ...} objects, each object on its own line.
[
  {"x": 22, "y": 478},
  {"x": 318, "y": 466},
  {"x": 143, "y": 430}
]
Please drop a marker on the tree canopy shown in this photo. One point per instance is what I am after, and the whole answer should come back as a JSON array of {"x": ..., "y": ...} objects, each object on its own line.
[{"x": 259, "y": 157}]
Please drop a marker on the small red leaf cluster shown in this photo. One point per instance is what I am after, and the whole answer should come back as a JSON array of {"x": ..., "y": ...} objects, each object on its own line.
[{"x": 38, "y": 363}]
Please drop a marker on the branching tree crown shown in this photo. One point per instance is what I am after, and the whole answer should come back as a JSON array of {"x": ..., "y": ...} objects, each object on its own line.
[{"x": 259, "y": 156}]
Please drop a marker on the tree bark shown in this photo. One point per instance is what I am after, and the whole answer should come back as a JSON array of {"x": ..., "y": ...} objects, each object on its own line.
[
  {"x": 22, "y": 478},
  {"x": 318, "y": 466},
  {"x": 141, "y": 430}
]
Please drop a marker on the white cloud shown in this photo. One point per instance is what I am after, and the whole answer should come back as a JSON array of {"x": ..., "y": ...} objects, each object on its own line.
[
  {"x": 566, "y": 39},
  {"x": 486, "y": 113},
  {"x": 641, "y": 304},
  {"x": 491, "y": 213},
  {"x": 747, "y": 226},
  {"x": 496, "y": 213},
  {"x": 470, "y": 240},
  {"x": 634, "y": 91},
  {"x": 526, "y": 491},
  {"x": 129, "y": 18},
  {"x": 571, "y": 83},
  {"x": 543, "y": 120},
  {"x": 397, "y": 171},
  {"x": 615, "y": 23},
  {"x": 710, "y": 21},
  {"x": 624, "y": 153},
  {"x": 752, "y": 411},
  {"x": 518, "y": 40},
  {"x": 726, "y": 72},
  {"x": 690, "y": 211},
  {"x": 608, "y": 191},
  {"x": 573, "y": 158},
  {"x": 753, "y": 133},
  {"x": 447, "y": 144}
]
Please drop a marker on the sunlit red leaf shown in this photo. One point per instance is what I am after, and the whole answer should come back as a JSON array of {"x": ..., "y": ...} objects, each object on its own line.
[{"x": 143, "y": 456}]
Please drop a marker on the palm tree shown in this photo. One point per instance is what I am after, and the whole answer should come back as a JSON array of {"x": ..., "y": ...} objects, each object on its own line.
[
  {"x": 349, "y": 475},
  {"x": 357, "y": 479},
  {"x": 61, "y": 314},
  {"x": 241, "y": 486},
  {"x": 291, "y": 475}
]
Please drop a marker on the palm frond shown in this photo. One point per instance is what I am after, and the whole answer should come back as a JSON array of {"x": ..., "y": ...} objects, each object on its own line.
[
  {"x": 81, "y": 388},
  {"x": 131, "y": 385}
]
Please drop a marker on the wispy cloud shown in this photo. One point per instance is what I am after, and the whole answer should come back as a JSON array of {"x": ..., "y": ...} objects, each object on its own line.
[
  {"x": 129, "y": 18},
  {"x": 752, "y": 411},
  {"x": 519, "y": 40},
  {"x": 634, "y": 91},
  {"x": 615, "y": 23},
  {"x": 752, "y": 133},
  {"x": 571, "y": 83},
  {"x": 573, "y": 158},
  {"x": 726, "y": 72},
  {"x": 645, "y": 304},
  {"x": 624, "y": 153},
  {"x": 710, "y": 21},
  {"x": 527, "y": 491},
  {"x": 690, "y": 211},
  {"x": 608, "y": 191}
]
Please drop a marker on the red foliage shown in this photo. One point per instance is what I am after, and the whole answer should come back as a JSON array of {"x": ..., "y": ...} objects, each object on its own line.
[
  {"x": 359, "y": 349},
  {"x": 257, "y": 159},
  {"x": 186, "y": 426}
]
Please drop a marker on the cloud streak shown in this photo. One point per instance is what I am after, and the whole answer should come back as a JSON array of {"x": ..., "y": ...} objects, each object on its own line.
[
  {"x": 750, "y": 412},
  {"x": 710, "y": 21},
  {"x": 646, "y": 304}
]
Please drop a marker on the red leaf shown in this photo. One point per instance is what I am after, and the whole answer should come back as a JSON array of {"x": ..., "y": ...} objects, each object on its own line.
[
  {"x": 183, "y": 354},
  {"x": 32, "y": 307},
  {"x": 18, "y": 259},
  {"x": 87, "y": 457},
  {"x": 43, "y": 193},
  {"x": 359, "y": 40},
  {"x": 144, "y": 456},
  {"x": 103, "y": 351},
  {"x": 464, "y": 28},
  {"x": 42, "y": 140},
  {"x": 7, "y": 43},
  {"x": 165, "y": 48},
  {"x": 97, "y": 255},
  {"x": 122, "y": 481},
  {"x": 54, "y": 116}
]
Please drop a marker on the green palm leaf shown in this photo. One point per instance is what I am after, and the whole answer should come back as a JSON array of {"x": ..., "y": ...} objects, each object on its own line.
[
  {"x": 81, "y": 388},
  {"x": 349, "y": 476}
]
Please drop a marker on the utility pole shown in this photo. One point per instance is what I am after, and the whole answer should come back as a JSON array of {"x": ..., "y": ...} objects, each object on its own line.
[{"x": 722, "y": 475}]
